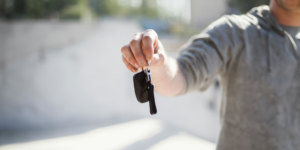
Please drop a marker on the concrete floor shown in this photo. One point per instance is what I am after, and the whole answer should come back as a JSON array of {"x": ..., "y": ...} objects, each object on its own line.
[{"x": 80, "y": 96}]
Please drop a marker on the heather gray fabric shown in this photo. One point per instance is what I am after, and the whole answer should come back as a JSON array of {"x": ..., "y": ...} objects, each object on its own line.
[
  {"x": 293, "y": 31},
  {"x": 260, "y": 77}
]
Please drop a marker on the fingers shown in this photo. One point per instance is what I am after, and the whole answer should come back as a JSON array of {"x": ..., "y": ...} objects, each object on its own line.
[
  {"x": 128, "y": 55},
  {"x": 135, "y": 45},
  {"x": 142, "y": 48},
  {"x": 129, "y": 66},
  {"x": 149, "y": 43}
]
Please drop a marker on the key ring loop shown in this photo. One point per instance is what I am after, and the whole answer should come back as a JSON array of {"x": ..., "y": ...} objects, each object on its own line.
[{"x": 147, "y": 72}]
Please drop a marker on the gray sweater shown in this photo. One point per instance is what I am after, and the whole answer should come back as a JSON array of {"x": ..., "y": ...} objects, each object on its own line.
[{"x": 260, "y": 77}]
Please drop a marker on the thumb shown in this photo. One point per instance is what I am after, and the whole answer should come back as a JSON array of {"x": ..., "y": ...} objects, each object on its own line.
[{"x": 158, "y": 59}]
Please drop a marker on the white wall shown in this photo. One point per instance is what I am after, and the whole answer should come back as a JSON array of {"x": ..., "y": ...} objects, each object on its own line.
[{"x": 203, "y": 12}]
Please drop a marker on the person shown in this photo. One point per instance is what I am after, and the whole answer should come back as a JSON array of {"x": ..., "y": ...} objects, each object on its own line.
[{"x": 257, "y": 57}]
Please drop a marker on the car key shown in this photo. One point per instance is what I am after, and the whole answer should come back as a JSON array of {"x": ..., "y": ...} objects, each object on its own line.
[{"x": 144, "y": 88}]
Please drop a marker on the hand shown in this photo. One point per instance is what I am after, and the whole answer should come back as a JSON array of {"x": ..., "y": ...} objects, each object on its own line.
[{"x": 143, "y": 47}]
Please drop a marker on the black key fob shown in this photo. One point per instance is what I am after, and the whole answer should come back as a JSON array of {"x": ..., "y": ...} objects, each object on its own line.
[{"x": 144, "y": 89}]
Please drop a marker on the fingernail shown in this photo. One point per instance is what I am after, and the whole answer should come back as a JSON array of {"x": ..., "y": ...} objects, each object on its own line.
[
  {"x": 148, "y": 56},
  {"x": 142, "y": 62},
  {"x": 136, "y": 65}
]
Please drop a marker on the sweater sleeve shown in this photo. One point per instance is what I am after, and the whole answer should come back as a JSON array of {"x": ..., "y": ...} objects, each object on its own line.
[{"x": 209, "y": 54}]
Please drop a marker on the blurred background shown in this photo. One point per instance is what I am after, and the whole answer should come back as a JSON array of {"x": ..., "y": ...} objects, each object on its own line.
[{"x": 63, "y": 84}]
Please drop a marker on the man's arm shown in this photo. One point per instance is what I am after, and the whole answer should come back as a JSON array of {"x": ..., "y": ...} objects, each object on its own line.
[
  {"x": 205, "y": 56},
  {"x": 166, "y": 74}
]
